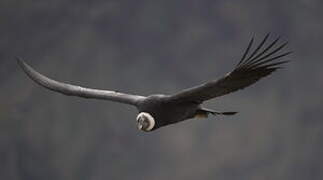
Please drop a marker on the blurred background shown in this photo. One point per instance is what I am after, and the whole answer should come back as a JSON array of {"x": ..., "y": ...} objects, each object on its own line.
[{"x": 162, "y": 46}]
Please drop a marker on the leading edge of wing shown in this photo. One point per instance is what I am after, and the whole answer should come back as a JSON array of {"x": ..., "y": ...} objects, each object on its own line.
[{"x": 73, "y": 90}]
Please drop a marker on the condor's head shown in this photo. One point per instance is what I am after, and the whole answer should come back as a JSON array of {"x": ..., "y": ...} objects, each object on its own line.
[{"x": 145, "y": 122}]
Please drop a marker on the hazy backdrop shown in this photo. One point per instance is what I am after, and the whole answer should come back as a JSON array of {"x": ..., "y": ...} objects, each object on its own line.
[{"x": 160, "y": 46}]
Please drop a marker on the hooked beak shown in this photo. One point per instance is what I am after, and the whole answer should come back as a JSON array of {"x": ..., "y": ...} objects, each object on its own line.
[{"x": 139, "y": 124}]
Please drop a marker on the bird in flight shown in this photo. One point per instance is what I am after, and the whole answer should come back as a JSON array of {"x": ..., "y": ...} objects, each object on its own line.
[{"x": 160, "y": 110}]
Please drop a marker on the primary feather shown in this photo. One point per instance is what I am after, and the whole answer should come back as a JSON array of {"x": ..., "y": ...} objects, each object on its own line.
[{"x": 250, "y": 69}]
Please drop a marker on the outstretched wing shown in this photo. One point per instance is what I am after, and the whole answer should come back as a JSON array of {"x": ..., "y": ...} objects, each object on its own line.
[
  {"x": 260, "y": 63},
  {"x": 72, "y": 90}
]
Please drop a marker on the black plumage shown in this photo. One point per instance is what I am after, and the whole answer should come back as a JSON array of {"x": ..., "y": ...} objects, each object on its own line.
[{"x": 156, "y": 111}]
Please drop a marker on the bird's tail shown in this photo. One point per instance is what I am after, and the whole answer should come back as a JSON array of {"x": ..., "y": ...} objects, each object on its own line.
[
  {"x": 227, "y": 113},
  {"x": 204, "y": 112}
]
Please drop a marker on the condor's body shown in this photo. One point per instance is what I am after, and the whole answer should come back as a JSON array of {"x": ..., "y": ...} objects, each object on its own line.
[
  {"x": 156, "y": 111},
  {"x": 167, "y": 112}
]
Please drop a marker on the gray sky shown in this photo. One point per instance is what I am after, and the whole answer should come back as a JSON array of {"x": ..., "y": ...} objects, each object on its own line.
[{"x": 147, "y": 47}]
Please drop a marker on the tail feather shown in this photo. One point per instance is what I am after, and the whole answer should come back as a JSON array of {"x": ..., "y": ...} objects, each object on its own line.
[
  {"x": 203, "y": 113},
  {"x": 225, "y": 113}
]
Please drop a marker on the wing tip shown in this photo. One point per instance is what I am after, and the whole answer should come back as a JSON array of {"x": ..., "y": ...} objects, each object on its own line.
[
  {"x": 19, "y": 60},
  {"x": 262, "y": 58},
  {"x": 24, "y": 66}
]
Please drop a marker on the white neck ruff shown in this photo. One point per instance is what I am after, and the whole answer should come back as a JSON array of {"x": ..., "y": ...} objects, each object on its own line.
[{"x": 150, "y": 118}]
